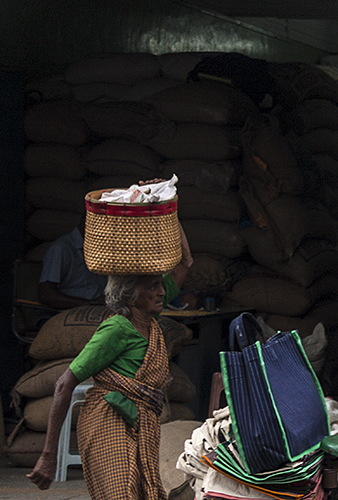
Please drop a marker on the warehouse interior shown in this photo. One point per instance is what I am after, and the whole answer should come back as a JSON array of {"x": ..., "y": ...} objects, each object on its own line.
[{"x": 50, "y": 52}]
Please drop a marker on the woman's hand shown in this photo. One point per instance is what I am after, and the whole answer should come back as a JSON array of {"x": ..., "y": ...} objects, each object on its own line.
[{"x": 44, "y": 472}]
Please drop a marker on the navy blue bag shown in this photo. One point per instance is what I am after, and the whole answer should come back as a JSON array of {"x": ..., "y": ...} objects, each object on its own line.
[{"x": 276, "y": 404}]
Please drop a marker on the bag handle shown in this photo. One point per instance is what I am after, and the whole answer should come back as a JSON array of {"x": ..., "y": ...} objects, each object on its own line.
[{"x": 243, "y": 329}]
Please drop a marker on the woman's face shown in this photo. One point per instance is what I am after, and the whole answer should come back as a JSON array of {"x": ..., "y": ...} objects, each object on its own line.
[{"x": 151, "y": 295}]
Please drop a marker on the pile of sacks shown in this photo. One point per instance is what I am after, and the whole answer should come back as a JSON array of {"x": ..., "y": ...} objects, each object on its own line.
[{"x": 59, "y": 340}]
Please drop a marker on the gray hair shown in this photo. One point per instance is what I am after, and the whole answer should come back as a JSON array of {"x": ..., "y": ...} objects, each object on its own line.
[{"x": 120, "y": 290}]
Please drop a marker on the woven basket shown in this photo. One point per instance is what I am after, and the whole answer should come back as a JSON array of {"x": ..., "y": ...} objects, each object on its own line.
[{"x": 133, "y": 238}]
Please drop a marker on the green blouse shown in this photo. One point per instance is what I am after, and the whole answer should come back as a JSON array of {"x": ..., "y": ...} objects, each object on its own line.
[{"x": 117, "y": 344}]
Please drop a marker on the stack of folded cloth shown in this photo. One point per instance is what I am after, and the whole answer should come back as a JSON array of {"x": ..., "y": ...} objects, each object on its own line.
[{"x": 212, "y": 464}]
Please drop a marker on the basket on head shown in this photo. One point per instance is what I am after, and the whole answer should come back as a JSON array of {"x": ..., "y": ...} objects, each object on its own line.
[{"x": 133, "y": 238}]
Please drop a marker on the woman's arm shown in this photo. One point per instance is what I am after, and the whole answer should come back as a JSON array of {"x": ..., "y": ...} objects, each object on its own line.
[
  {"x": 45, "y": 468},
  {"x": 179, "y": 272}
]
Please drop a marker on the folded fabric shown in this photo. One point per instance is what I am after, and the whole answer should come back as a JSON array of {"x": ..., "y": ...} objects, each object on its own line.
[{"x": 149, "y": 193}]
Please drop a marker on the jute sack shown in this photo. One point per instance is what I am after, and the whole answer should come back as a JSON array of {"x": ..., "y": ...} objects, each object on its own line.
[
  {"x": 124, "y": 68},
  {"x": 134, "y": 119},
  {"x": 28, "y": 446},
  {"x": 180, "y": 389},
  {"x": 206, "y": 273},
  {"x": 49, "y": 88},
  {"x": 48, "y": 224},
  {"x": 56, "y": 194},
  {"x": 305, "y": 325},
  {"x": 118, "y": 156},
  {"x": 175, "y": 334},
  {"x": 322, "y": 140},
  {"x": 263, "y": 245},
  {"x": 200, "y": 141},
  {"x": 173, "y": 437},
  {"x": 207, "y": 175},
  {"x": 144, "y": 89},
  {"x": 312, "y": 259},
  {"x": 177, "y": 65},
  {"x": 271, "y": 294},
  {"x": 53, "y": 160},
  {"x": 37, "y": 253},
  {"x": 118, "y": 181},
  {"x": 172, "y": 411},
  {"x": 296, "y": 82},
  {"x": 312, "y": 114},
  {"x": 207, "y": 102},
  {"x": 55, "y": 122},
  {"x": 99, "y": 92},
  {"x": 40, "y": 380},
  {"x": 326, "y": 312},
  {"x": 214, "y": 237},
  {"x": 65, "y": 334},
  {"x": 284, "y": 216},
  {"x": 268, "y": 156},
  {"x": 195, "y": 203},
  {"x": 36, "y": 413}
]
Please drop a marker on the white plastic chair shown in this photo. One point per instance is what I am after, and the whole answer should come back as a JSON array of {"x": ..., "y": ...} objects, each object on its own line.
[{"x": 64, "y": 457}]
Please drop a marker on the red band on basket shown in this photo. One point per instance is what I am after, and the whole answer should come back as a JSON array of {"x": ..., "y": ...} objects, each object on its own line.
[{"x": 127, "y": 210}]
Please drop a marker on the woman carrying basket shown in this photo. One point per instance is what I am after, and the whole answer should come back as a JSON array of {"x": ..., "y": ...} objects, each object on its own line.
[{"x": 119, "y": 427}]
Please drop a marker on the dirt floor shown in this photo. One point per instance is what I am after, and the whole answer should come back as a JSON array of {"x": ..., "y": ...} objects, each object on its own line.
[{"x": 15, "y": 486}]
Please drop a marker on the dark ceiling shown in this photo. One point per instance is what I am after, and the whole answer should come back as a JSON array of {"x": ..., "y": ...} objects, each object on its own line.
[{"x": 283, "y": 9}]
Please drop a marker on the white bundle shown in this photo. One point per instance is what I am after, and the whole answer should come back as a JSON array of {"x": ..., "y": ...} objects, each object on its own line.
[{"x": 149, "y": 193}]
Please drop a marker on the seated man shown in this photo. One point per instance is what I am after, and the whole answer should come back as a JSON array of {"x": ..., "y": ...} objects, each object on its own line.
[{"x": 65, "y": 280}]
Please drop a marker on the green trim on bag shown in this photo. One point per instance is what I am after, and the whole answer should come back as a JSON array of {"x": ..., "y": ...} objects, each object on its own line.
[{"x": 231, "y": 409}]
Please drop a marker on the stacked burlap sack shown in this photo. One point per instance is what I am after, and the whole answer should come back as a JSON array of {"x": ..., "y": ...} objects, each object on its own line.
[
  {"x": 59, "y": 340},
  {"x": 257, "y": 203}
]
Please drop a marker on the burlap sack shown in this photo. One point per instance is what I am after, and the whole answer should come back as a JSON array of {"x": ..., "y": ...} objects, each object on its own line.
[
  {"x": 39, "y": 381},
  {"x": 177, "y": 65},
  {"x": 267, "y": 155},
  {"x": 180, "y": 389},
  {"x": 53, "y": 160},
  {"x": 200, "y": 141},
  {"x": 312, "y": 114},
  {"x": 48, "y": 224},
  {"x": 144, "y": 89},
  {"x": 120, "y": 156},
  {"x": 124, "y": 68},
  {"x": 214, "y": 237},
  {"x": 134, "y": 119},
  {"x": 37, "y": 253},
  {"x": 296, "y": 82},
  {"x": 304, "y": 326},
  {"x": 271, "y": 294},
  {"x": 55, "y": 122},
  {"x": 206, "y": 175},
  {"x": 28, "y": 445},
  {"x": 263, "y": 245},
  {"x": 206, "y": 273},
  {"x": 175, "y": 334},
  {"x": 175, "y": 411},
  {"x": 207, "y": 102},
  {"x": 198, "y": 204},
  {"x": 116, "y": 181},
  {"x": 56, "y": 194},
  {"x": 36, "y": 413},
  {"x": 312, "y": 259},
  {"x": 65, "y": 334},
  {"x": 322, "y": 140},
  {"x": 49, "y": 88},
  {"x": 284, "y": 216},
  {"x": 173, "y": 437},
  {"x": 99, "y": 92}
]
